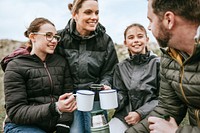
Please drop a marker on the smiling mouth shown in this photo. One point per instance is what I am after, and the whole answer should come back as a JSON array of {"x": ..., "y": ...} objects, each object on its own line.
[
  {"x": 51, "y": 46},
  {"x": 137, "y": 45},
  {"x": 92, "y": 23}
]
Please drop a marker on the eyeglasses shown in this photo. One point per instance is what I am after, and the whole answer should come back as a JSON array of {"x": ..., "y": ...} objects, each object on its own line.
[{"x": 49, "y": 36}]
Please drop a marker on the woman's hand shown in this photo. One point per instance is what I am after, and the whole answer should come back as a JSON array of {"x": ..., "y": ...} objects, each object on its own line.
[
  {"x": 67, "y": 103},
  {"x": 132, "y": 118},
  {"x": 106, "y": 87}
]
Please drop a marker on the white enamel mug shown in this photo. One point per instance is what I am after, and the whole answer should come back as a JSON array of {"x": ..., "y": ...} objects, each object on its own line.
[
  {"x": 85, "y": 100},
  {"x": 108, "y": 99}
]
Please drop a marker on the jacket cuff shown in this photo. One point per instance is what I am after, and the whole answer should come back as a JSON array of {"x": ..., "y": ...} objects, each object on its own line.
[
  {"x": 141, "y": 114},
  {"x": 52, "y": 108}
]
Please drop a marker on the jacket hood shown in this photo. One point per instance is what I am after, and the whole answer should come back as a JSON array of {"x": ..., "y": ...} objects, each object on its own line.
[
  {"x": 142, "y": 58},
  {"x": 17, "y": 52},
  {"x": 71, "y": 28}
]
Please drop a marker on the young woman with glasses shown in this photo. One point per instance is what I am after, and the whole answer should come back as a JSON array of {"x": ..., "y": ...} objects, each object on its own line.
[{"x": 38, "y": 84}]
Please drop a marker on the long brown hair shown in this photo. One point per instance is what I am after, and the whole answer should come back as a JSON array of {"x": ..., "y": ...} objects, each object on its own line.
[{"x": 35, "y": 27}]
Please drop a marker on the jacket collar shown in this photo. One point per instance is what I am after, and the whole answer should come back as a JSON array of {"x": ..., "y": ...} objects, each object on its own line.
[
  {"x": 71, "y": 28},
  {"x": 179, "y": 55},
  {"x": 142, "y": 58}
]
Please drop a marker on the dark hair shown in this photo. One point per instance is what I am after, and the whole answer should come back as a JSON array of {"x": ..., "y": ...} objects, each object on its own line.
[
  {"x": 77, "y": 4},
  {"x": 188, "y": 9},
  {"x": 35, "y": 27},
  {"x": 135, "y": 25}
]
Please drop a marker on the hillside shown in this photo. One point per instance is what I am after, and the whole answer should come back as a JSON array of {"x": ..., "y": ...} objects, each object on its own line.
[{"x": 6, "y": 47}]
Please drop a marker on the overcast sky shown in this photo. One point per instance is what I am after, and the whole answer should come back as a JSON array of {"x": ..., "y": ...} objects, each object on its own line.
[{"x": 115, "y": 15}]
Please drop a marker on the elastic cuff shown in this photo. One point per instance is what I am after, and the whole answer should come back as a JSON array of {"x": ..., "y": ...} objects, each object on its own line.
[
  {"x": 61, "y": 128},
  {"x": 57, "y": 109},
  {"x": 52, "y": 108},
  {"x": 62, "y": 125}
]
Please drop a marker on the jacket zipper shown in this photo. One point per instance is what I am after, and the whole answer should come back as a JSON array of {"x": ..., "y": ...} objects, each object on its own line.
[
  {"x": 181, "y": 87},
  {"x": 51, "y": 84},
  {"x": 181, "y": 84},
  {"x": 50, "y": 79},
  {"x": 180, "y": 79},
  {"x": 181, "y": 75},
  {"x": 182, "y": 91}
]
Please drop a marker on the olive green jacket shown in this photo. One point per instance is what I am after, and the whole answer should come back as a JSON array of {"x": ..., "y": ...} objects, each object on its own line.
[{"x": 179, "y": 90}]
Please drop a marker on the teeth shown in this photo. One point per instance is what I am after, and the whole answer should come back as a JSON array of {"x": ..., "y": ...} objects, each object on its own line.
[
  {"x": 92, "y": 22},
  {"x": 137, "y": 45},
  {"x": 51, "y": 46}
]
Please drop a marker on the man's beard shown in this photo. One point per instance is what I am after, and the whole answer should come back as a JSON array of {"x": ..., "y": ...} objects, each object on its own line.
[{"x": 163, "y": 37}]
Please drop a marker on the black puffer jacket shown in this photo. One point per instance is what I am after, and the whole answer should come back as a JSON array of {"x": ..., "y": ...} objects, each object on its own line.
[
  {"x": 137, "y": 81},
  {"x": 32, "y": 87},
  {"x": 91, "y": 58}
]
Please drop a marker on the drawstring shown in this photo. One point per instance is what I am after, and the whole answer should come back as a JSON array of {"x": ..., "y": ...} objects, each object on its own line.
[
  {"x": 197, "y": 36},
  {"x": 197, "y": 117}
]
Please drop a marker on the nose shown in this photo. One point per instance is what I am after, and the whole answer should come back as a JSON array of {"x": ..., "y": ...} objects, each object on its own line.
[
  {"x": 136, "y": 40},
  {"x": 149, "y": 27},
  {"x": 94, "y": 16}
]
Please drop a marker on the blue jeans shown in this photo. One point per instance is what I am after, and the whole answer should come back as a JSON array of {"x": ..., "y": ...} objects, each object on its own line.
[
  {"x": 82, "y": 120},
  {"x": 13, "y": 128},
  {"x": 81, "y": 123}
]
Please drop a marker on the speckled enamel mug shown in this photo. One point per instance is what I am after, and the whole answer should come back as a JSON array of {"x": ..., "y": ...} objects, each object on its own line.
[
  {"x": 108, "y": 99},
  {"x": 85, "y": 100}
]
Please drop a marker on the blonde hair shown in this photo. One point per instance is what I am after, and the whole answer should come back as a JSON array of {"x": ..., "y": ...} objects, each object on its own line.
[{"x": 77, "y": 4}]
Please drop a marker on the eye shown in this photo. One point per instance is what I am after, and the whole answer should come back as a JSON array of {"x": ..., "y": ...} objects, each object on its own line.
[
  {"x": 49, "y": 34},
  {"x": 140, "y": 36},
  {"x": 130, "y": 37},
  {"x": 97, "y": 12},
  {"x": 88, "y": 12}
]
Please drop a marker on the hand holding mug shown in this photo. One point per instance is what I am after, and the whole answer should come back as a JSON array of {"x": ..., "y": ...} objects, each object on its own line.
[
  {"x": 106, "y": 87},
  {"x": 67, "y": 103}
]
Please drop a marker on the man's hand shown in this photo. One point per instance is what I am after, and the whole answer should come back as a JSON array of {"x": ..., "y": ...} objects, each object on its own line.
[{"x": 159, "y": 125}]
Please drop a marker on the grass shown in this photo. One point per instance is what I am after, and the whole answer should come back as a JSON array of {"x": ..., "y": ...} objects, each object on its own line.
[{"x": 2, "y": 116}]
